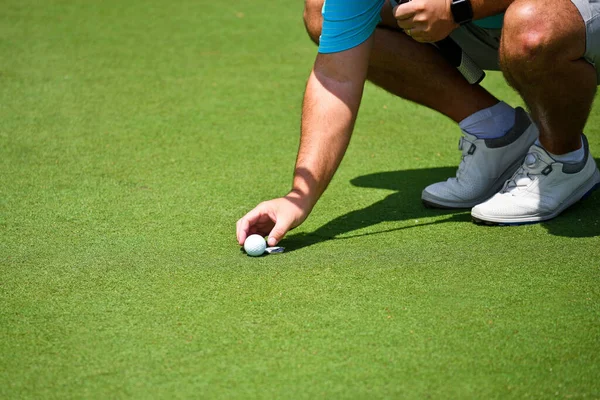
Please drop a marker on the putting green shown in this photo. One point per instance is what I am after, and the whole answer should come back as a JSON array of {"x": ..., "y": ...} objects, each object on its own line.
[{"x": 134, "y": 134}]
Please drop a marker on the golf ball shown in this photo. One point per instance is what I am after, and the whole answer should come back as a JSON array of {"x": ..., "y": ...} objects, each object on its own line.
[{"x": 255, "y": 245}]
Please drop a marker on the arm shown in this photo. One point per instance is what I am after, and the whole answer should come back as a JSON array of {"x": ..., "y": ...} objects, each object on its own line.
[{"x": 331, "y": 103}]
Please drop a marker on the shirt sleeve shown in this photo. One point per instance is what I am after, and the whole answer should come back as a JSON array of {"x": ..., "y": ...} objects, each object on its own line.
[{"x": 346, "y": 24}]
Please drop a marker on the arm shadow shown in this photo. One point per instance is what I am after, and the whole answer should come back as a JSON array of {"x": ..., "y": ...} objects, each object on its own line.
[
  {"x": 402, "y": 205},
  {"x": 581, "y": 220}
]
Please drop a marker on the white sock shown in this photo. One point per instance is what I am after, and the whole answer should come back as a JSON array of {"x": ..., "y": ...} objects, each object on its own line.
[
  {"x": 572, "y": 157},
  {"x": 491, "y": 122}
]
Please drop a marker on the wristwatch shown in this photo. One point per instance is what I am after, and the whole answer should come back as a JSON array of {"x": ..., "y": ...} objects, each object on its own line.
[{"x": 461, "y": 11}]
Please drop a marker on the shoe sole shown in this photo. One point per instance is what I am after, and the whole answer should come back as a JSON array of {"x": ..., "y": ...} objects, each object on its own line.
[
  {"x": 583, "y": 192},
  {"x": 431, "y": 201}
]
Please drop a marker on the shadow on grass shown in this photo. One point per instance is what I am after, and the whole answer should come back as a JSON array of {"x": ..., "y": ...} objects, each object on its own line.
[
  {"x": 402, "y": 205},
  {"x": 581, "y": 220}
]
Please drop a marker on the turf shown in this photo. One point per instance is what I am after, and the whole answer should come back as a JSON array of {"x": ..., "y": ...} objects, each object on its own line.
[{"x": 134, "y": 134}]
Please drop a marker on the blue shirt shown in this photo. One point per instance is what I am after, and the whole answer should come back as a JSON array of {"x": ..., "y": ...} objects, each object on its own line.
[{"x": 348, "y": 23}]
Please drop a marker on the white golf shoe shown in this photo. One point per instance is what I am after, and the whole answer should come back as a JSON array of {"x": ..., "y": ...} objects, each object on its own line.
[
  {"x": 540, "y": 189},
  {"x": 486, "y": 164}
]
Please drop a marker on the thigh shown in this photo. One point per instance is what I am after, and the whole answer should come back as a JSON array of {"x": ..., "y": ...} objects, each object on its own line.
[
  {"x": 481, "y": 44},
  {"x": 590, "y": 12}
]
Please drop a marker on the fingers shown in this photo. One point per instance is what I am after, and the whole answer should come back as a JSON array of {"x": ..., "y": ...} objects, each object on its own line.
[
  {"x": 424, "y": 20},
  {"x": 274, "y": 217},
  {"x": 278, "y": 232},
  {"x": 416, "y": 34},
  {"x": 241, "y": 230},
  {"x": 404, "y": 13},
  {"x": 261, "y": 220},
  {"x": 245, "y": 226}
]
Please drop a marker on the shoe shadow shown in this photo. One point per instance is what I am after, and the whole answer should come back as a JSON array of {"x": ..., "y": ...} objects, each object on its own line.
[
  {"x": 402, "y": 205},
  {"x": 581, "y": 220}
]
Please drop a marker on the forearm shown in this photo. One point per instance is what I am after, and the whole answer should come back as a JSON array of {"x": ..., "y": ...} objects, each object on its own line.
[
  {"x": 327, "y": 123},
  {"x": 330, "y": 107}
]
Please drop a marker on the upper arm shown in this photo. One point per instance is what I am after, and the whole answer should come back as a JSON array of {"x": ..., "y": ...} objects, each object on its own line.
[{"x": 348, "y": 23}]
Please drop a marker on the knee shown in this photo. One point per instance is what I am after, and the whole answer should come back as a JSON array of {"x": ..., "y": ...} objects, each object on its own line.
[
  {"x": 526, "y": 34},
  {"x": 540, "y": 34},
  {"x": 313, "y": 19}
]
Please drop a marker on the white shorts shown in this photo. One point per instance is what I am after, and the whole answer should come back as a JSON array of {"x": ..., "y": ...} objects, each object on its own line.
[{"x": 482, "y": 44}]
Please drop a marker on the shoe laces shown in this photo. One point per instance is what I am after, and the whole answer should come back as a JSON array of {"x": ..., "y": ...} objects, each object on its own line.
[{"x": 531, "y": 169}]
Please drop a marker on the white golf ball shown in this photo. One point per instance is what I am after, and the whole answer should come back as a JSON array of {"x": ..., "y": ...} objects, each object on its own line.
[{"x": 255, "y": 245}]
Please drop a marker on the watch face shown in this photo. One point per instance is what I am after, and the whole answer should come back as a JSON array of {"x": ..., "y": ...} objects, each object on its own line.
[{"x": 461, "y": 11}]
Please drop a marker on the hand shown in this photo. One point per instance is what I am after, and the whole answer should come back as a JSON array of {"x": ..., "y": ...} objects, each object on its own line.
[
  {"x": 274, "y": 218},
  {"x": 426, "y": 20}
]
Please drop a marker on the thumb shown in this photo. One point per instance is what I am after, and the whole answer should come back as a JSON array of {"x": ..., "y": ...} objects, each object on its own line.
[{"x": 278, "y": 232}]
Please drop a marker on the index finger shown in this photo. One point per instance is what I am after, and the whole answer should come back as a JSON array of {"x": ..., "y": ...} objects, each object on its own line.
[
  {"x": 404, "y": 10},
  {"x": 243, "y": 224}
]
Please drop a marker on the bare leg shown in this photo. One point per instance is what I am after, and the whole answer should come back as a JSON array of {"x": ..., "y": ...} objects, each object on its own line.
[
  {"x": 541, "y": 52},
  {"x": 412, "y": 70}
]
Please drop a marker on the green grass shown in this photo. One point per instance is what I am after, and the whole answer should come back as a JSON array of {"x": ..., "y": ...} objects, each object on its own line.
[{"x": 134, "y": 134}]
